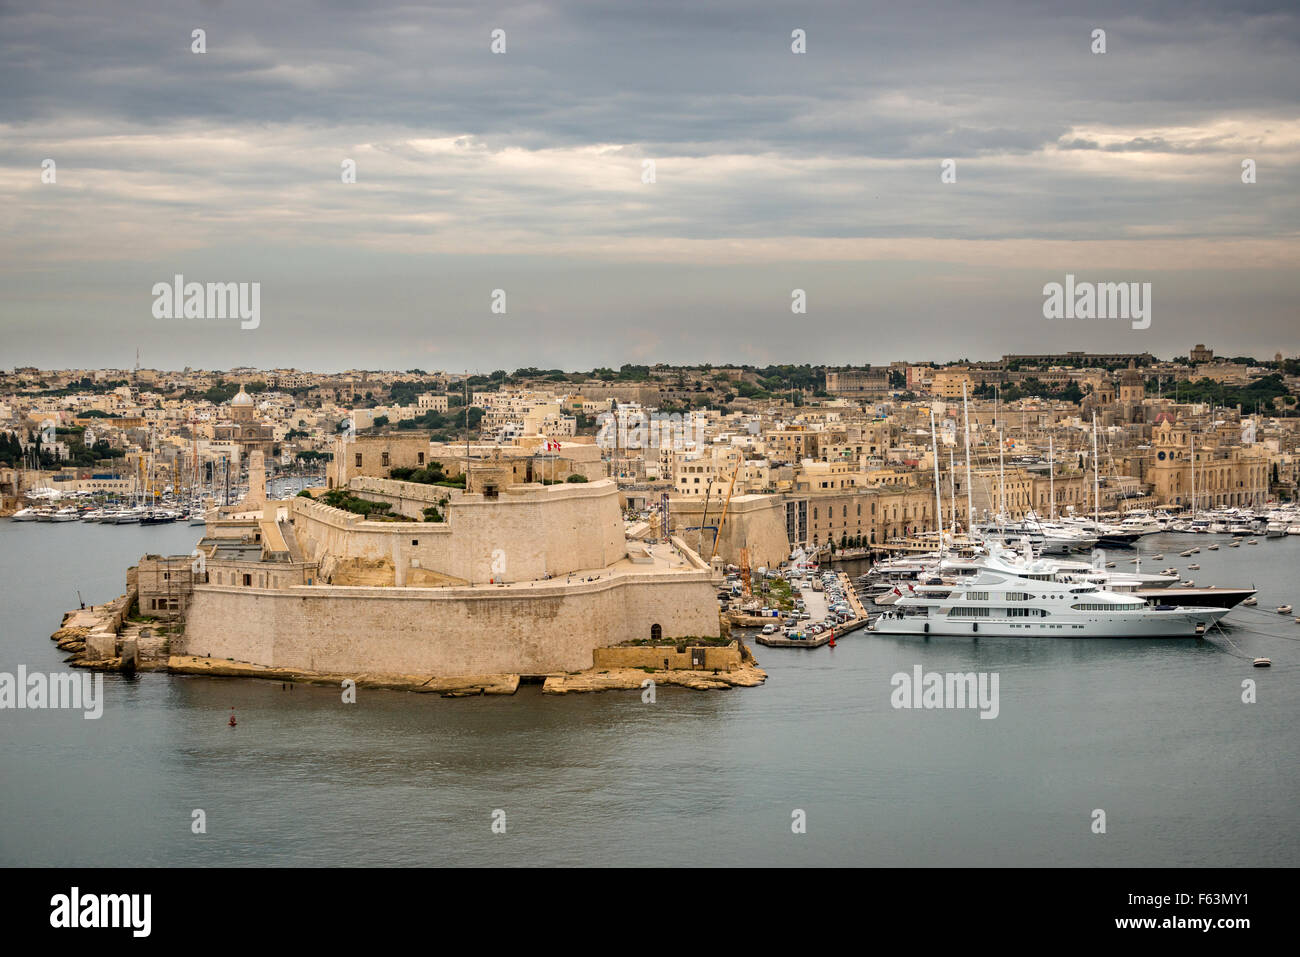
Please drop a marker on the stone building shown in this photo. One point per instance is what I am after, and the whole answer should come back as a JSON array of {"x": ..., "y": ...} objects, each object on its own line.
[{"x": 1219, "y": 476}]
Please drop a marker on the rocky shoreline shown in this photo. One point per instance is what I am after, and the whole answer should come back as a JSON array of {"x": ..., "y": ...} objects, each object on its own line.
[{"x": 138, "y": 650}]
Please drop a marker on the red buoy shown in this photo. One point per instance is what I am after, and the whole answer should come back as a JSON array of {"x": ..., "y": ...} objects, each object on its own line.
[{"x": 232, "y": 717}]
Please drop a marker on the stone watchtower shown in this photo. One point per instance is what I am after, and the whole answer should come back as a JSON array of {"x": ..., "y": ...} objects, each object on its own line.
[
  {"x": 256, "y": 479},
  {"x": 1132, "y": 387}
]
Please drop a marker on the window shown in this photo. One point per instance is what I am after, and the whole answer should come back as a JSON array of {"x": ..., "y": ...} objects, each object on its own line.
[
  {"x": 358, "y": 460},
  {"x": 383, "y": 459},
  {"x": 415, "y": 541},
  {"x": 419, "y": 458},
  {"x": 248, "y": 581},
  {"x": 969, "y": 613},
  {"x": 1017, "y": 596},
  {"x": 977, "y": 596}
]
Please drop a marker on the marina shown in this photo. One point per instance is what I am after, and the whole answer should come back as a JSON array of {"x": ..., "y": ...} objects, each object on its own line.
[{"x": 1069, "y": 709}]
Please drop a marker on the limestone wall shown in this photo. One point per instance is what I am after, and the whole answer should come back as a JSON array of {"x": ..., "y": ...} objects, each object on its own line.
[
  {"x": 527, "y": 533},
  {"x": 756, "y": 522},
  {"x": 539, "y": 629}
]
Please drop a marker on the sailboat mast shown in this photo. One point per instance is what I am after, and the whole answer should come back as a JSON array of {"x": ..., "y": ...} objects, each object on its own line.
[
  {"x": 938, "y": 488},
  {"x": 970, "y": 511},
  {"x": 1002, "y": 481},
  {"x": 1096, "y": 480},
  {"x": 1051, "y": 480},
  {"x": 952, "y": 492}
]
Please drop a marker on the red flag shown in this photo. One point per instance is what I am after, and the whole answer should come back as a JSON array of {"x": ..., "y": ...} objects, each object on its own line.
[{"x": 897, "y": 592}]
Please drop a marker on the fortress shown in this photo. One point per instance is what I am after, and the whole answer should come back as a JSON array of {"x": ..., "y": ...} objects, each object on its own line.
[{"x": 529, "y": 581}]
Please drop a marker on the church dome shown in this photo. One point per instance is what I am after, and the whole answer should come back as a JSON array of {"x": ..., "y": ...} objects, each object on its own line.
[{"x": 242, "y": 398}]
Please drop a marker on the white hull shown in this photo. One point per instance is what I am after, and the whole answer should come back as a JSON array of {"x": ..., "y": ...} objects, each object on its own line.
[{"x": 1149, "y": 624}]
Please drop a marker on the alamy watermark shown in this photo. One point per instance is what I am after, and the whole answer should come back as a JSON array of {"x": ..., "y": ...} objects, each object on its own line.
[
  {"x": 75, "y": 909},
  {"x": 1103, "y": 300},
  {"x": 650, "y": 430},
  {"x": 179, "y": 299},
  {"x": 952, "y": 690},
  {"x": 63, "y": 691}
]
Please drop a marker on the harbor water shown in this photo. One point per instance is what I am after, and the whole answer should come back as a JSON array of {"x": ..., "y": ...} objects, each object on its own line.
[{"x": 1154, "y": 733}]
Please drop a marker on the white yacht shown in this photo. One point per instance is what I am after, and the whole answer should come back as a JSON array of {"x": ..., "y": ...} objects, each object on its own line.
[
  {"x": 1141, "y": 522},
  {"x": 1023, "y": 599},
  {"x": 25, "y": 515}
]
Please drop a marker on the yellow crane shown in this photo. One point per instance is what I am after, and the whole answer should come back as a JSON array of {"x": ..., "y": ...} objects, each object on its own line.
[{"x": 725, "y": 506}]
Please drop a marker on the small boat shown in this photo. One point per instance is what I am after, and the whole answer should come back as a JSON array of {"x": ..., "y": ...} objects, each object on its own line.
[
  {"x": 1194, "y": 567},
  {"x": 1160, "y": 557},
  {"x": 1235, "y": 545},
  {"x": 1262, "y": 662},
  {"x": 1284, "y": 609},
  {"x": 1196, "y": 550},
  {"x": 1214, "y": 548},
  {"x": 1252, "y": 600},
  {"x": 1252, "y": 542},
  {"x": 1186, "y": 554},
  {"x": 25, "y": 515}
]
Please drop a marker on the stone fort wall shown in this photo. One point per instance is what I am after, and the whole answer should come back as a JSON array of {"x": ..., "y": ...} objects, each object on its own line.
[
  {"x": 527, "y": 533},
  {"x": 545, "y": 628}
]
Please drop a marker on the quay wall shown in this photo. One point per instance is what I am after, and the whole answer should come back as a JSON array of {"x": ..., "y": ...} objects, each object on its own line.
[{"x": 544, "y": 628}]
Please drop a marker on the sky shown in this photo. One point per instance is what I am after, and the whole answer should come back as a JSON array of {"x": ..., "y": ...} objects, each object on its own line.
[{"x": 526, "y": 171}]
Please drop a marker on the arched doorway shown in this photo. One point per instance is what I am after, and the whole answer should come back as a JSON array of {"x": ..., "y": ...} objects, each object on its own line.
[{"x": 656, "y": 633}]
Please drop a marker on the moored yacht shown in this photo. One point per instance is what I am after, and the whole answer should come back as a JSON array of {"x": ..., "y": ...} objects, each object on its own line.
[{"x": 1024, "y": 599}]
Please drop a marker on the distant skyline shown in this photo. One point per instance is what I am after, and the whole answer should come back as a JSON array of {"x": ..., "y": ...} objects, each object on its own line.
[
  {"x": 524, "y": 171},
  {"x": 939, "y": 361}
]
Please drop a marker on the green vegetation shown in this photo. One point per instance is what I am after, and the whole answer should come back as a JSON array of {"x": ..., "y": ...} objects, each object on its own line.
[
  {"x": 778, "y": 594},
  {"x": 1261, "y": 392},
  {"x": 431, "y": 514},
  {"x": 444, "y": 421},
  {"x": 575, "y": 477},
  {"x": 712, "y": 641},
  {"x": 432, "y": 475},
  {"x": 344, "y": 499},
  {"x": 1030, "y": 387}
]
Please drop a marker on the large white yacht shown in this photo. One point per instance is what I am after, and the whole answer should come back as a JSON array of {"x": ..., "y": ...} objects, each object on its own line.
[{"x": 1024, "y": 598}]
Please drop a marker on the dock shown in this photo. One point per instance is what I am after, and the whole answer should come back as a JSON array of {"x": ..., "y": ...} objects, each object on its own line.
[{"x": 839, "y": 631}]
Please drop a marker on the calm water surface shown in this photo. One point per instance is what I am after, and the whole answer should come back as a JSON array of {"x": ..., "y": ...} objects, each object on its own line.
[{"x": 1153, "y": 732}]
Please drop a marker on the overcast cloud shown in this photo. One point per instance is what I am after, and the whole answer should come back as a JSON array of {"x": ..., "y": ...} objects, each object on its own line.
[{"x": 523, "y": 172}]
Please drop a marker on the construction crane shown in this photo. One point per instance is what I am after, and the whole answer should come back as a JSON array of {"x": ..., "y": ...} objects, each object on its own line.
[
  {"x": 717, "y": 535},
  {"x": 703, "y": 521}
]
